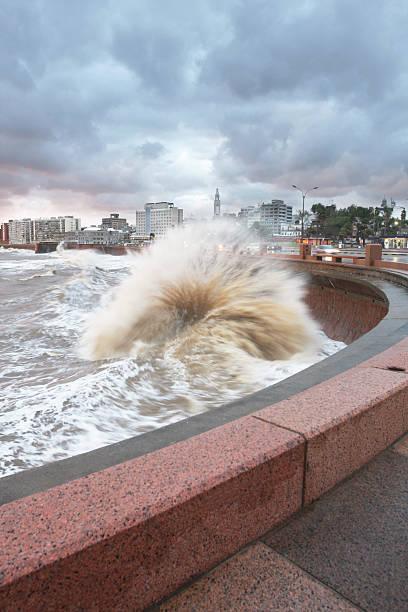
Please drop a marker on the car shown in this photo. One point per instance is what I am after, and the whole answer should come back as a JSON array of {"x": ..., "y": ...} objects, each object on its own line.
[{"x": 326, "y": 249}]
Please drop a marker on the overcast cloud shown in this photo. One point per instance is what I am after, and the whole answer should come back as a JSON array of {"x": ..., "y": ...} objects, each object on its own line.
[{"x": 107, "y": 104}]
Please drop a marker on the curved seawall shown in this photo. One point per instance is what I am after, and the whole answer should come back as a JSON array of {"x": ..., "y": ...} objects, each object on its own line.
[
  {"x": 345, "y": 309},
  {"x": 130, "y": 523}
]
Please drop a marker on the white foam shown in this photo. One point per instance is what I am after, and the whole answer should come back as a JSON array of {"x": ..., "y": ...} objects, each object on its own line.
[{"x": 56, "y": 405}]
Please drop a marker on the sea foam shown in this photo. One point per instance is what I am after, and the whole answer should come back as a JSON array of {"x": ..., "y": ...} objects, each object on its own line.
[{"x": 196, "y": 296}]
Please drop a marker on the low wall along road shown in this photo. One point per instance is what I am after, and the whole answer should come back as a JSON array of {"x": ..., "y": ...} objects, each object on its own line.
[{"x": 124, "y": 526}]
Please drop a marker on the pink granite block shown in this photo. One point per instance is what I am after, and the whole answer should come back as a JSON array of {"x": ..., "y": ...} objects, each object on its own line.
[
  {"x": 127, "y": 536},
  {"x": 402, "y": 447},
  {"x": 346, "y": 421},
  {"x": 257, "y": 579},
  {"x": 394, "y": 358}
]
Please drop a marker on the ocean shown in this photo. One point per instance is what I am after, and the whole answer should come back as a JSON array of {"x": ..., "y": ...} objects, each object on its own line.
[{"x": 98, "y": 348}]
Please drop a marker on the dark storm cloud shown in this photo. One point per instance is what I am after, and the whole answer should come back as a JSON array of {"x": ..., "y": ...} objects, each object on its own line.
[
  {"x": 318, "y": 84},
  {"x": 157, "y": 60},
  {"x": 326, "y": 49},
  {"x": 157, "y": 99}
]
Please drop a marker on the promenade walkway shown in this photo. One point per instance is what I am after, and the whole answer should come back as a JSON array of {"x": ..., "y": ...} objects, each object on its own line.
[{"x": 346, "y": 551}]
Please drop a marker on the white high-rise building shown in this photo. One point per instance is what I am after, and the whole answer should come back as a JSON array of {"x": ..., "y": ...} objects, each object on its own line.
[
  {"x": 157, "y": 218},
  {"x": 23, "y": 231},
  {"x": 275, "y": 213},
  {"x": 69, "y": 224},
  {"x": 270, "y": 215},
  {"x": 20, "y": 231},
  {"x": 52, "y": 228}
]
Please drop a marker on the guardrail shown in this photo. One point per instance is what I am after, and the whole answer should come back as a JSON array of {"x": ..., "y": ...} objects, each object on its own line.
[{"x": 371, "y": 258}]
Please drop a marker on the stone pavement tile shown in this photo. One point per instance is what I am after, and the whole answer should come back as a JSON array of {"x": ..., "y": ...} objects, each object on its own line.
[
  {"x": 254, "y": 580},
  {"x": 402, "y": 447},
  {"x": 355, "y": 538}
]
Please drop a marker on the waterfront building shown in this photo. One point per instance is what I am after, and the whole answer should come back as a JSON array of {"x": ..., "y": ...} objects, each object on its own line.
[
  {"x": 24, "y": 231},
  {"x": 4, "y": 231},
  {"x": 157, "y": 218},
  {"x": 95, "y": 234},
  {"x": 270, "y": 216},
  {"x": 69, "y": 224},
  {"x": 274, "y": 214},
  {"x": 244, "y": 213},
  {"x": 254, "y": 216},
  {"x": 290, "y": 230},
  {"x": 53, "y": 228},
  {"x": 19, "y": 231},
  {"x": 114, "y": 222},
  {"x": 217, "y": 204},
  {"x": 249, "y": 215}
]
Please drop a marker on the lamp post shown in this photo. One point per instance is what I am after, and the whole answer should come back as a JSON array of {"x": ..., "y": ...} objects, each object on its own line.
[{"x": 304, "y": 194}]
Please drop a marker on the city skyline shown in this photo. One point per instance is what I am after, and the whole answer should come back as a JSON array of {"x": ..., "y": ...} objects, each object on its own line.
[{"x": 106, "y": 106}]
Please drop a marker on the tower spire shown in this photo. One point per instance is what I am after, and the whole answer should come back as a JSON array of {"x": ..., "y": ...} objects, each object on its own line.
[{"x": 217, "y": 204}]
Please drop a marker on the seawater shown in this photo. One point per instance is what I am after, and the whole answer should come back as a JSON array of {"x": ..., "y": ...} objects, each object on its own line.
[{"x": 97, "y": 348}]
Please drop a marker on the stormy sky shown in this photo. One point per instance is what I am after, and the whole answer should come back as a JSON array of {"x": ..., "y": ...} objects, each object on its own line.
[{"x": 107, "y": 104}]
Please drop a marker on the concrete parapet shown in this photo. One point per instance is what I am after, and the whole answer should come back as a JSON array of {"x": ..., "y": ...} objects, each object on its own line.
[
  {"x": 127, "y": 536},
  {"x": 373, "y": 252},
  {"x": 305, "y": 250},
  {"x": 342, "y": 421}
]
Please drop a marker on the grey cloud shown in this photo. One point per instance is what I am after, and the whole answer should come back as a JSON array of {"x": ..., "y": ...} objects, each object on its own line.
[
  {"x": 157, "y": 60},
  {"x": 331, "y": 49},
  {"x": 121, "y": 100},
  {"x": 151, "y": 150}
]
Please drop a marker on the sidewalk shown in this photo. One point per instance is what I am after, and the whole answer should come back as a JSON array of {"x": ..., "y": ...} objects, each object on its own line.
[{"x": 346, "y": 551}]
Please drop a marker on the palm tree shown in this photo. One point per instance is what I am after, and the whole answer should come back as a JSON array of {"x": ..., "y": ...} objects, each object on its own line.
[{"x": 297, "y": 218}]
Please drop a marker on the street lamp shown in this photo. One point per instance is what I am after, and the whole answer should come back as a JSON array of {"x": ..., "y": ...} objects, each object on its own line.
[{"x": 304, "y": 194}]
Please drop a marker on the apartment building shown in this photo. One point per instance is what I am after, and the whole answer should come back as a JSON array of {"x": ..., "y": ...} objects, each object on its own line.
[
  {"x": 19, "y": 231},
  {"x": 270, "y": 215},
  {"x": 23, "y": 231},
  {"x": 157, "y": 218},
  {"x": 114, "y": 222},
  {"x": 95, "y": 234},
  {"x": 4, "y": 231},
  {"x": 274, "y": 214}
]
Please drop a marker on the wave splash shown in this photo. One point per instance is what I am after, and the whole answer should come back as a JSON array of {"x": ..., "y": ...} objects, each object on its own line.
[{"x": 194, "y": 297}]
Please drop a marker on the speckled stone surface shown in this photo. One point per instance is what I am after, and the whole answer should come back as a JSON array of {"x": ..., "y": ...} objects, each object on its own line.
[
  {"x": 394, "y": 358},
  {"x": 127, "y": 536},
  {"x": 355, "y": 538},
  {"x": 254, "y": 580},
  {"x": 402, "y": 447},
  {"x": 356, "y": 314},
  {"x": 346, "y": 421}
]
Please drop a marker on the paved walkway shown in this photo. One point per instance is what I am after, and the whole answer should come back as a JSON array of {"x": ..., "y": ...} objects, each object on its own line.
[{"x": 346, "y": 551}]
